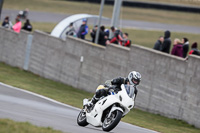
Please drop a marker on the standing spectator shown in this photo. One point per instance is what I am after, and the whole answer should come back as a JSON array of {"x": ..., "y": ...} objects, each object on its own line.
[
  {"x": 5, "y": 23},
  {"x": 167, "y": 42},
  {"x": 17, "y": 26},
  {"x": 126, "y": 42},
  {"x": 27, "y": 26},
  {"x": 194, "y": 49},
  {"x": 70, "y": 30},
  {"x": 23, "y": 14},
  {"x": 102, "y": 36},
  {"x": 178, "y": 48},
  {"x": 93, "y": 33},
  {"x": 158, "y": 43},
  {"x": 117, "y": 37},
  {"x": 185, "y": 42},
  {"x": 83, "y": 30}
]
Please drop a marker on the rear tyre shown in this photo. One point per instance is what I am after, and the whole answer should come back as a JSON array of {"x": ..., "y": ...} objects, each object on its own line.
[
  {"x": 81, "y": 119},
  {"x": 112, "y": 121}
]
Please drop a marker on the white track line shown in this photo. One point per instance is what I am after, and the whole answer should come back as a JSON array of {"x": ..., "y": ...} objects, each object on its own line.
[{"x": 43, "y": 97}]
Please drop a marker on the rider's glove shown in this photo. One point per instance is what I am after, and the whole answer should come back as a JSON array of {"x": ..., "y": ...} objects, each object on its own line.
[{"x": 90, "y": 103}]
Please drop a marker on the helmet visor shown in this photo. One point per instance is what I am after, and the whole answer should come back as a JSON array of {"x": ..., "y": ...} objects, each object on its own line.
[{"x": 136, "y": 81}]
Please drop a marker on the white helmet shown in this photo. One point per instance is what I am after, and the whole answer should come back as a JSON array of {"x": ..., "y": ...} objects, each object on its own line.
[{"x": 134, "y": 78}]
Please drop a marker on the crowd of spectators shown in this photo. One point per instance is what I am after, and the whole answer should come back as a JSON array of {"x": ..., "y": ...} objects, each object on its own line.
[
  {"x": 117, "y": 37},
  {"x": 180, "y": 47},
  {"x": 22, "y": 15}
]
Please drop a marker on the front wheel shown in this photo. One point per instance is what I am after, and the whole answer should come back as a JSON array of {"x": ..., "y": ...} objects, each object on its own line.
[
  {"x": 81, "y": 119},
  {"x": 112, "y": 121}
]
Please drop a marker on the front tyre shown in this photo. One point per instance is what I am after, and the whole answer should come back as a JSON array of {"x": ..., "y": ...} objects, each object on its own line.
[
  {"x": 112, "y": 121},
  {"x": 81, "y": 119}
]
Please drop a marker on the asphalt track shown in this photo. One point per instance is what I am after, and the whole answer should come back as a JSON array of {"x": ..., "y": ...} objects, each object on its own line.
[
  {"x": 35, "y": 16},
  {"x": 21, "y": 105}
]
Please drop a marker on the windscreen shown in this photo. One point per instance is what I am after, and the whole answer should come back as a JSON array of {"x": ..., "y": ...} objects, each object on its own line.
[{"x": 130, "y": 90}]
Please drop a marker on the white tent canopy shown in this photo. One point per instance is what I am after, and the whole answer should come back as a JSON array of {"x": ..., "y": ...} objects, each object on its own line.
[{"x": 60, "y": 29}]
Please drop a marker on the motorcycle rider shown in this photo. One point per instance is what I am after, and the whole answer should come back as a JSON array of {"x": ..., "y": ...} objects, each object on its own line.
[{"x": 103, "y": 90}]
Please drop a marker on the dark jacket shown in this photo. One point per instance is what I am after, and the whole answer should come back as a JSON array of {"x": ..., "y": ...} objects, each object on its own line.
[
  {"x": 5, "y": 24},
  {"x": 27, "y": 27},
  {"x": 177, "y": 50},
  {"x": 194, "y": 51},
  {"x": 167, "y": 42},
  {"x": 185, "y": 49},
  {"x": 115, "y": 39},
  {"x": 119, "y": 81},
  {"x": 157, "y": 45},
  {"x": 93, "y": 34},
  {"x": 82, "y": 31},
  {"x": 102, "y": 40}
]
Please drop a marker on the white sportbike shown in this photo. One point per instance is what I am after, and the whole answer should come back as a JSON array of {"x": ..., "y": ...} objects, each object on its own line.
[{"x": 109, "y": 110}]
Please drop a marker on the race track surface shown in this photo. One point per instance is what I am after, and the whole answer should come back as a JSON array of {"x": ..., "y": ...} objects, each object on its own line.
[{"x": 21, "y": 105}]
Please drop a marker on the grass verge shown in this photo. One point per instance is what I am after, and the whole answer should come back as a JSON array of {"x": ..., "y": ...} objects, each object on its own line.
[
  {"x": 9, "y": 126},
  {"x": 66, "y": 94}
]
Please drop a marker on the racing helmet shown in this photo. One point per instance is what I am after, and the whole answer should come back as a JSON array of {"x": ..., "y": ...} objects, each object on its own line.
[{"x": 134, "y": 78}]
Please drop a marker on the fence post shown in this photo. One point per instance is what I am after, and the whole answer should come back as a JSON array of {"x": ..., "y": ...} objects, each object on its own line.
[{"x": 28, "y": 51}]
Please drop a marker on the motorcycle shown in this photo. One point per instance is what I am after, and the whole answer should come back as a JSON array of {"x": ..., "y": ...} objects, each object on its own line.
[{"x": 109, "y": 110}]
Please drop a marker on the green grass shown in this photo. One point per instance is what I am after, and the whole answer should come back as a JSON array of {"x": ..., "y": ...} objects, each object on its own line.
[
  {"x": 46, "y": 27},
  {"x": 70, "y": 7},
  {"x": 9, "y": 126},
  {"x": 37, "y": 84},
  {"x": 158, "y": 123},
  {"x": 66, "y": 94}
]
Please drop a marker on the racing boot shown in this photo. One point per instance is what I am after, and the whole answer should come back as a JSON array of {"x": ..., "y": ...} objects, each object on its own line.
[{"x": 93, "y": 101}]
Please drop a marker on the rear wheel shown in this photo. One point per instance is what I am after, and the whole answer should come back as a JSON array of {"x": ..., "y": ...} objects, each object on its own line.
[
  {"x": 112, "y": 121},
  {"x": 81, "y": 119}
]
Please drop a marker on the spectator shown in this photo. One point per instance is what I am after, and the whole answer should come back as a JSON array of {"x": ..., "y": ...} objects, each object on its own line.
[
  {"x": 102, "y": 36},
  {"x": 5, "y": 23},
  {"x": 178, "y": 48},
  {"x": 17, "y": 26},
  {"x": 117, "y": 37},
  {"x": 126, "y": 42},
  {"x": 83, "y": 30},
  {"x": 167, "y": 42},
  {"x": 158, "y": 44},
  {"x": 23, "y": 14},
  {"x": 70, "y": 30},
  {"x": 185, "y": 43},
  {"x": 194, "y": 49},
  {"x": 93, "y": 33},
  {"x": 27, "y": 26}
]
